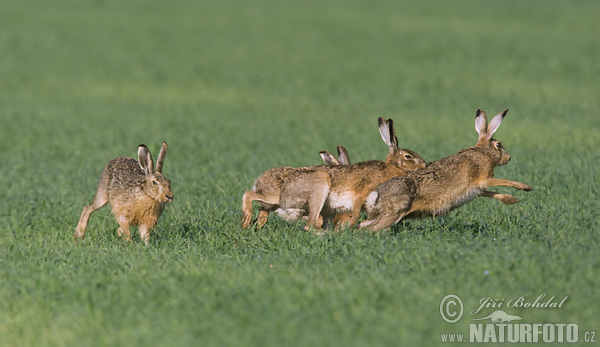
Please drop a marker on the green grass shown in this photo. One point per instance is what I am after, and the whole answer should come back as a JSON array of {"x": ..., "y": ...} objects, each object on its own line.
[{"x": 239, "y": 87}]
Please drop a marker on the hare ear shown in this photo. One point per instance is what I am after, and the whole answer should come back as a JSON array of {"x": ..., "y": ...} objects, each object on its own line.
[
  {"x": 343, "y": 155},
  {"x": 161, "y": 157},
  {"x": 329, "y": 159},
  {"x": 384, "y": 131},
  {"x": 393, "y": 138},
  {"x": 145, "y": 160},
  {"x": 481, "y": 124},
  {"x": 495, "y": 123}
]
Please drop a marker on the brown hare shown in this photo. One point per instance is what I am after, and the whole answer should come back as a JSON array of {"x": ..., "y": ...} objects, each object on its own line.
[
  {"x": 267, "y": 187},
  {"x": 332, "y": 190},
  {"x": 136, "y": 191},
  {"x": 344, "y": 159},
  {"x": 444, "y": 184}
]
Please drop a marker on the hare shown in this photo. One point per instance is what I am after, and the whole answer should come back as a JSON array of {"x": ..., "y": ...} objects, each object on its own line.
[
  {"x": 344, "y": 159},
  {"x": 135, "y": 190},
  {"x": 267, "y": 187},
  {"x": 331, "y": 190},
  {"x": 444, "y": 184}
]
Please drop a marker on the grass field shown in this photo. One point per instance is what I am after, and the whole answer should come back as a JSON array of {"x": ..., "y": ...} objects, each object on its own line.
[{"x": 239, "y": 87}]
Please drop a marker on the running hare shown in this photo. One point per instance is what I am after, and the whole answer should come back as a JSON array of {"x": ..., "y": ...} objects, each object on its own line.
[
  {"x": 135, "y": 190},
  {"x": 331, "y": 190},
  {"x": 344, "y": 159},
  {"x": 444, "y": 184},
  {"x": 267, "y": 187}
]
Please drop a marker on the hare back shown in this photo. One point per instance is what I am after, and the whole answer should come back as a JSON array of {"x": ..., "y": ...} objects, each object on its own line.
[
  {"x": 361, "y": 178},
  {"x": 123, "y": 175},
  {"x": 463, "y": 171},
  {"x": 441, "y": 186},
  {"x": 271, "y": 181}
]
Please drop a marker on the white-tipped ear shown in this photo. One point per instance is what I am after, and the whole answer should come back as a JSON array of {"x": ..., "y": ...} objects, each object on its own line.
[
  {"x": 329, "y": 158},
  {"x": 161, "y": 157},
  {"x": 481, "y": 124},
  {"x": 343, "y": 155},
  {"x": 495, "y": 123},
  {"x": 145, "y": 160},
  {"x": 384, "y": 130}
]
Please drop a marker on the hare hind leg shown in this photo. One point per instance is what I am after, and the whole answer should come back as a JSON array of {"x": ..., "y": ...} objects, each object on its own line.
[
  {"x": 144, "y": 233},
  {"x": 382, "y": 222},
  {"x": 263, "y": 218},
  {"x": 315, "y": 205},
  {"x": 389, "y": 212},
  {"x": 247, "y": 208},
  {"x": 100, "y": 200},
  {"x": 247, "y": 199}
]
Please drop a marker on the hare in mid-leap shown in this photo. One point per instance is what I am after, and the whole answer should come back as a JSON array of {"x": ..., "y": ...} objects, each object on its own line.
[
  {"x": 137, "y": 192},
  {"x": 444, "y": 184}
]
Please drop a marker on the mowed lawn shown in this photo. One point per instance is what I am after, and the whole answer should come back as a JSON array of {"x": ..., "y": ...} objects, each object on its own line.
[{"x": 239, "y": 87}]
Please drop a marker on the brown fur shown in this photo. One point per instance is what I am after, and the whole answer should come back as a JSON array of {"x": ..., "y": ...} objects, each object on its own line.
[
  {"x": 136, "y": 192},
  {"x": 344, "y": 159},
  {"x": 331, "y": 190},
  {"x": 444, "y": 184},
  {"x": 267, "y": 188}
]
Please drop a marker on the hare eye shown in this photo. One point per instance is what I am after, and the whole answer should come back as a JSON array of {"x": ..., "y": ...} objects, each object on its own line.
[
  {"x": 408, "y": 157},
  {"x": 154, "y": 182},
  {"x": 498, "y": 145}
]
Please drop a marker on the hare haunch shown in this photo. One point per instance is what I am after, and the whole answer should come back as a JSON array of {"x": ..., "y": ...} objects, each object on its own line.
[
  {"x": 444, "y": 184},
  {"x": 136, "y": 191}
]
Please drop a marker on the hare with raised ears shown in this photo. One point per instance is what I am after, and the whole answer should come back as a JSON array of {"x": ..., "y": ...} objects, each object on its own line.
[
  {"x": 267, "y": 187},
  {"x": 333, "y": 190},
  {"x": 444, "y": 184},
  {"x": 136, "y": 191}
]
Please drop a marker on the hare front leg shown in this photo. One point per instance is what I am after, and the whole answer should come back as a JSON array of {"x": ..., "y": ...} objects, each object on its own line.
[
  {"x": 123, "y": 229},
  {"x": 506, "y": 183},
  {"x": 100, "y": 200},
  {"x": 383, "y": 222},
  {"x": 315, "y": 205},
  {"x": 144, "y": 233},
  {"x": 504, "y": 198}
]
